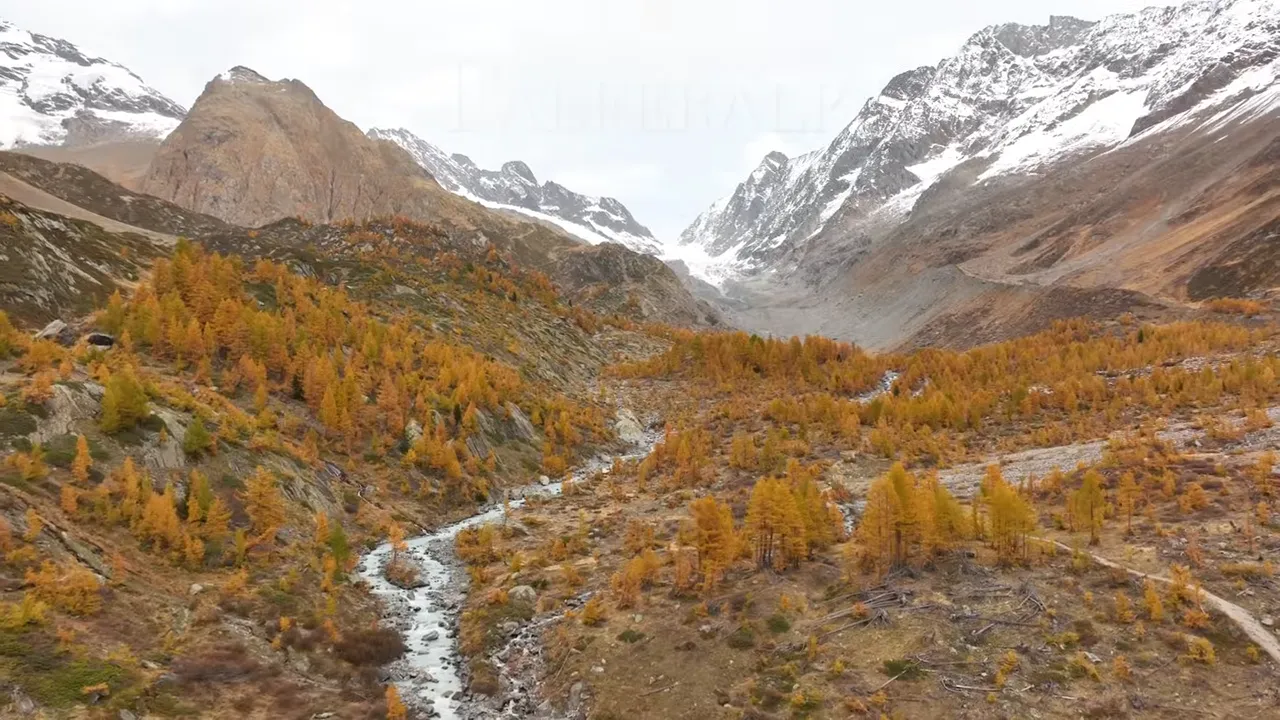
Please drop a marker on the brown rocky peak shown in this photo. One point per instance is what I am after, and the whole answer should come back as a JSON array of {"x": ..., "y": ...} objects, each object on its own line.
[{"x": 254, "y": 150}]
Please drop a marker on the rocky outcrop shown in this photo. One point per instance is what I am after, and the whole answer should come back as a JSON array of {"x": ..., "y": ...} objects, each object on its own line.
[
  {"x": 253, "y": 150},
  {"x": 615, "y": 279}
]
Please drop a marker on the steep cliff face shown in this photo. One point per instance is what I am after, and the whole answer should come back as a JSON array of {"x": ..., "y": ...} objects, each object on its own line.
[
  {"x": 252, "y": 151},
  {"x": 514, "y": 187}
]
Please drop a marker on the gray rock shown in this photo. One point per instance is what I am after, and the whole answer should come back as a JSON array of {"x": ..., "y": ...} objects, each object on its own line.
[
  {"x": 628, "y": 428},
  {"x": 523, "y": 428},
  {"x": 575, "y": 698},
  {"x": 413, "y": 431},
  {"x": 1268, "y": 620},
  {"x": 195, "y": 589},
  {"x": 543, "y": 480},
  {"x": 523, "y": 594},
  {"x": 57, "y": 331},
  {"x": 24, "y": 705},
  {"x": 126, "y": 715},
  {"x": 68, "y": 406},
  {"x": 432, "y": 636}
]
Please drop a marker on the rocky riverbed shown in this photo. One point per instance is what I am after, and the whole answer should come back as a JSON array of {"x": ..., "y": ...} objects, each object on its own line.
[{"x": 432, "y": 675}]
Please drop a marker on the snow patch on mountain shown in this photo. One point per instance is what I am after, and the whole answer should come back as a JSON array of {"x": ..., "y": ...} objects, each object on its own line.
[
  {"x": 1101, "y": 124},
  {"x": 515, "y": 188},
  {"x": 51, "y": 93}
]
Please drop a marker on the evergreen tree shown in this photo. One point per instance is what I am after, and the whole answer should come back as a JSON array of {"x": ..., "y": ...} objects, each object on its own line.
[{"x": 197, "y": 440}]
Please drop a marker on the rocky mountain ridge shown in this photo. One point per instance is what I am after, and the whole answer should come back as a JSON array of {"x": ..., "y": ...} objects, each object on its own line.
[
  {"x": 515, "y": 187},
  {"x": 53, "y": 93},
  {"x": 1013, "y": 101}
]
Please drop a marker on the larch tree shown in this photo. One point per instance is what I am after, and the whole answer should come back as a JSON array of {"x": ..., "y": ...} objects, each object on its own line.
[
  {"x": 125, "y": 402},
  {"x": 878, "y": 532},
  {"x": 265, "y": 505},
  {"x": 197, "y": 439},
  {"x": 1127, "y": 495},
  {"x": 1012, "y": 519},
  {"x": 396, "y": 709},
  {"x": 1090, "y": 503},
  {"x": 83, "y": 461},
  {"x": 199, "y": 498},
  {"x": 217, "y": 521},
  {"x": 714, "y": 538},
  {"x": 774, "y": 525}
]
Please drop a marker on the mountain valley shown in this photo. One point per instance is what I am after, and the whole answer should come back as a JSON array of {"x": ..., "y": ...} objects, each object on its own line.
[{"x": 970, "y": 414}]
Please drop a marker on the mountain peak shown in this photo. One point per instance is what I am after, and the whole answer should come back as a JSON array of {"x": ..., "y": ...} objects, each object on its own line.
[
  {"x": 520, "y": 170},
  {"x": 323, "y": 168},
  {"x": 242, "y": 74}
]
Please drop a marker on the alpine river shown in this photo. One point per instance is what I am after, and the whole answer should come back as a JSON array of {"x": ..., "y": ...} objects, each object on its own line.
[{"x": 430, "y": 675}]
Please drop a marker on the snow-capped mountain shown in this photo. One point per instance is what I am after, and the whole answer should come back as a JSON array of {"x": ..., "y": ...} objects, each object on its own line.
[
  {"x": 52, "y": 93},
  {"x": 515, "y": 188},
  {"x": 1014, "y": 100}
]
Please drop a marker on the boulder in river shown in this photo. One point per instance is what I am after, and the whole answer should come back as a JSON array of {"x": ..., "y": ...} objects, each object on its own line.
[{"x": 628, "y": 428}]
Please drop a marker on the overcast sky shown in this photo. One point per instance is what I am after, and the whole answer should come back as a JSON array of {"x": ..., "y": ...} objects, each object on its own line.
[{"x": 664, "y": 104}]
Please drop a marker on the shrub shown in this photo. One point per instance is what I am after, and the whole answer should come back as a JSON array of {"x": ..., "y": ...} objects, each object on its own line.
[
  {"x": 484, "y": 679},
  {"x": 1235, "y": 306},
  {"x": 1199, "y": 650},
  {"x": 402, "y": 574},
  {"x": 778, "y": 623},
  {"x": 371, "y": 648},
  {"x": 744, "y": 638},
  {"x": 630, "y": 636},
  {"x": 223, "y": 664},
  {"x": 902, "y": 669}
]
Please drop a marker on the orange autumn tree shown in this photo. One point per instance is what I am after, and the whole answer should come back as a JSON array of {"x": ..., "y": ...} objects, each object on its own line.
[
  {"x": 907, "y": 521},
  {"x": 714, "y": 537},
  {"x": 1011, "y": 517},
  {"x": 83, "y": 461},
  {"x": 774, "y": 525},
  {"x": 1089, "y": 503},
  {"x": 265, "y": 505}
]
